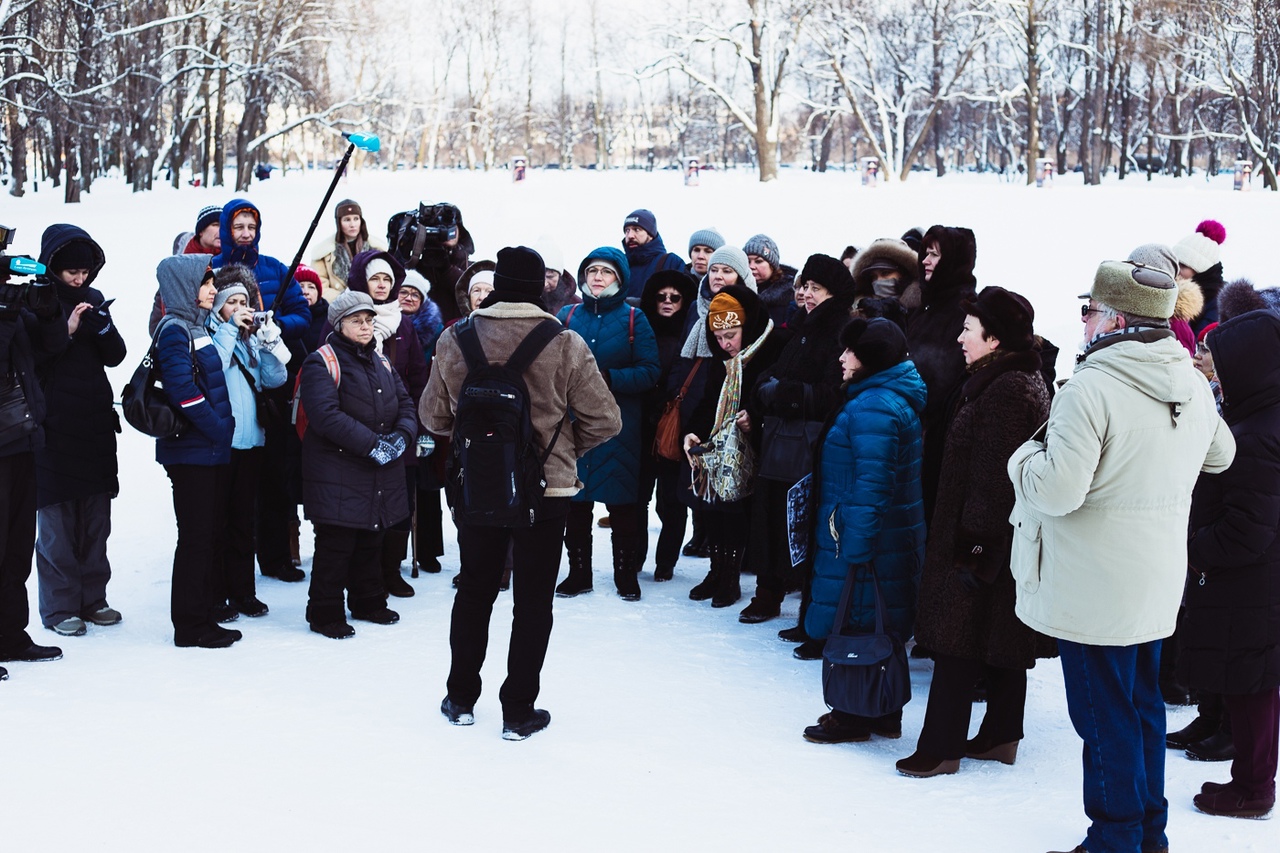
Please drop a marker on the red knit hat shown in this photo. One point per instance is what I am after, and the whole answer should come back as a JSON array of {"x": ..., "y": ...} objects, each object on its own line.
[{"x": 306, "y": 273}]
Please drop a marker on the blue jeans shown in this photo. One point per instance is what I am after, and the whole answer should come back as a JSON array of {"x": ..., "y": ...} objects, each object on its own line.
[{"x": 1113, "y": 696}]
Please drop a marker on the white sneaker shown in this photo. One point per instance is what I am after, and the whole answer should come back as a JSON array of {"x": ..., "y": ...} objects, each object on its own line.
[{"x": 72, "y": 627}]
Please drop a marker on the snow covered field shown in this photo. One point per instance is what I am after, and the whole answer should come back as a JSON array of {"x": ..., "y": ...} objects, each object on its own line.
[{"x": 673, "y": 726}]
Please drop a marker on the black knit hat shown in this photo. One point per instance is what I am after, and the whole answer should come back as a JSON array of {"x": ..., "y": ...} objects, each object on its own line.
[
  {"x": 643, "y": 218},
  {"x": 1005, "y": 315},
  {"x": 520, "y": 270},
  {"x": 878, "y": 343},
  {"x": 830, "y": 273},
  {"x": 76, "y": 255}
]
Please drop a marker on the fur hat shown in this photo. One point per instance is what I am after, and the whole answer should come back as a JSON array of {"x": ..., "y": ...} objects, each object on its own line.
[
  {"x": 763, "y": 246},
  {"x": 709, "y": 237},
  {"x": 208, "y": 216},
  {"x": 347, "y": 207},
  {"x": 349, "y": 302},
  {"x": 520, "y": 270},
  {"x": 732, "y": 256},
  {"x": 1005, "y": 315},
  {"x": 644, "y": 218},
  {"x": 830, "y": 273},
  {"x": 1135, "y": 288},
  {"x": 1239, "y": 297},
  {"x": 1201, "y": 250},
  {"x": 724, "y": 313},
  {"x": 878, "y": 343}
]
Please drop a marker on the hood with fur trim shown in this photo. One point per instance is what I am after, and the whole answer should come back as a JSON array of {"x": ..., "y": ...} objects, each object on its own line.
[
  {"x": 1241, "y": 297},
  {"x": 1190, "y": 301},
  {"x": 884, "y": 252}
]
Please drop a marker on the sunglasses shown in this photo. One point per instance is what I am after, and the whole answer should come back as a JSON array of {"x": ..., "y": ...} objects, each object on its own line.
[
  {"x": 1085, "y": 311},
  {"x": 673, "y": 298}
]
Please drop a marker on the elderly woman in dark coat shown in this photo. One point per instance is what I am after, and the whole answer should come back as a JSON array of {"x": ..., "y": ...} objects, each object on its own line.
[
  {"x": 353, "y": 481},
  {"x": 967, "y": 593},
  {"x": 76, "y": 469},
  {"x": 802, "y": 385},
  {"x": 1230, "y": 635}
]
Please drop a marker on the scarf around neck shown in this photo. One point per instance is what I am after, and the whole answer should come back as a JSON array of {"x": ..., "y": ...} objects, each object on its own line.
[
  {"x": 386, "y": 322},
  {"x": 731, "y": 391}
]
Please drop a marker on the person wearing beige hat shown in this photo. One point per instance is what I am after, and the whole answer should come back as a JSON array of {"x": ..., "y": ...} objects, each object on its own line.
[{"x": 1099, "y": 554}]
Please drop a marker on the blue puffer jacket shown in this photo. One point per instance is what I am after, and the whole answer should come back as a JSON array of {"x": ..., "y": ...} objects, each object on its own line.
[
  {"x": 202, "y": 394},
  {"x": 869, "y": 508},
  {"x": 266, "y": 370},
  {"x": 293, "y": 315},
  {"x": 610, "y": 473}
]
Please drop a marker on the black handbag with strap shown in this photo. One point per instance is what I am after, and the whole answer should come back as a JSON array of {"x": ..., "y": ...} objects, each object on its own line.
[
  {"x": 787, "y": 444},
  {"x": 15, "y": 412},
  {"x": 146, "y": 406},
  {"x": 864, "y": 674}
]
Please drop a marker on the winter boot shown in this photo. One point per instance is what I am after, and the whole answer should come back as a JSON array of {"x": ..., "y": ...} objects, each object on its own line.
[
  {"x": 626, "y": 569},
  {"x": 579, "y": 580},
  {"x": 729, "y": 585},
  {"x": 706, "y": 589},
  {"x": 766, "y": 605},
  {"x": 295, "y": 554},
  {"x": 393, "y": 545},
  {"x": 663, "y": 573}
]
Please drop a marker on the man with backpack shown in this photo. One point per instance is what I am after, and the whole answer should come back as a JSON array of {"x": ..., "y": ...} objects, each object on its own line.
[{"x": 512, "y": 472}]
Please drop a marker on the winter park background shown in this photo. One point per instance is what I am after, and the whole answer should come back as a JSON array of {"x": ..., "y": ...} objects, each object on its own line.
[{"x": 673, "y": 726}]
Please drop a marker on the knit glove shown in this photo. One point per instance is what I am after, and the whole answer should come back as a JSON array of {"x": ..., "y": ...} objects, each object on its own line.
[
  {"x": 97, "y": 322},
  {"x": 268, "y": 335},
  {"x": 388, "y": 449}
]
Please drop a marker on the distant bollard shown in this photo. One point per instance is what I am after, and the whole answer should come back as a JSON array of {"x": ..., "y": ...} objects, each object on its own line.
[
  {"x": 1243, "y": 175},
  {"x": 870, "y": 171},
  {"x": 519, "y": 169},
  {"x": 691, "y": 172},
  {"x": 1044, "y": 172}
]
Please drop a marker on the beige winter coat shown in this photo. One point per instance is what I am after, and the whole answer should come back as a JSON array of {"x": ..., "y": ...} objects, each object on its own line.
[
  {"x": 563, "y": 377},
  {"x": 322, "y": 263},
  {"x": 1100, "y": 519}
]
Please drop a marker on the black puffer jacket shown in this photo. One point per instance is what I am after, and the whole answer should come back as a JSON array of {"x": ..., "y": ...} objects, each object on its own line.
[
  {"x": 1230, "y": 634},
  {"x": 811, "y": 359},
  {"x": 932, "y": 330},
  {"x": 22, "y": 340},
  {"x": 341, "y": 485}
]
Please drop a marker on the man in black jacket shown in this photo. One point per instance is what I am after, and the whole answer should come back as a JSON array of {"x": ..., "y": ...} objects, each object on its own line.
[{"x": 31, "y": 322}]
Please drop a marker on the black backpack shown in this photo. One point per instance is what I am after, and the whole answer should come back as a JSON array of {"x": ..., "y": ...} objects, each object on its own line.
[{"x": 495, "y": 473}]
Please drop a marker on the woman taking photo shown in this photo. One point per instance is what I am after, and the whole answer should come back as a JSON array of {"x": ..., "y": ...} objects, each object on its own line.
[
  {"x": 966, "y": 616},
  {"x": 198, "y": 460},
  {"x": 254, "y": 358},
  {"x": 741, "y": 338},
  {"x": 621, "y": 339},
  {"x": 868, "y": 513},
  {"x": 353, "y": 481}
]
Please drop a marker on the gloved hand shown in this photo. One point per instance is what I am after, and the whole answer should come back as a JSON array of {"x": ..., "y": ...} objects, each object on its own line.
[
  {"x": 96, "y": 322},
  {"x": 388, "y": 449},
  {"x": 268, "y": 333},
  {"x": 43, "y": 301}
]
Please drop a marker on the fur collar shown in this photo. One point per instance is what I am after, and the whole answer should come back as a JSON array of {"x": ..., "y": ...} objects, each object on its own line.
[{"x": 995, "y": 365}]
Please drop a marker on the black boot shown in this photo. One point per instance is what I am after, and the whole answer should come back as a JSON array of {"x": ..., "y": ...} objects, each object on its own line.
[
  {"x": 697, "y": 545},
  {"x": 579, "y": 580},
  {"x": 729, "y": 584},
  {"x": 393, "y": 545},
  {"x": 766, "y": 605},
  {"x": 706, "y": 589},
  {"x": 626, "y": 567},
  {"x": 1192, "y": 733}
]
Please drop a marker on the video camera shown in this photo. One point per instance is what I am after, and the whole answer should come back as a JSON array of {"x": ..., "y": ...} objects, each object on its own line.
[
  {"x": 15, "y": 265},
  {"x": 420, "y": 237}
]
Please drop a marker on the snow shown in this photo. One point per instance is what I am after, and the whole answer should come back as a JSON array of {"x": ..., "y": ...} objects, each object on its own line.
[{"x": 672, "y": 724}]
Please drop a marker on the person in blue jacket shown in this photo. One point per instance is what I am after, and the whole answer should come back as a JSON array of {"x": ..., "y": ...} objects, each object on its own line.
[
  {"x": 198, "y": 460},
  {"x": 870, "y": 512},
  {"x": 646, "y": 253},
  {"x": 626, "y": 351},
  {"x": 254, "y": 359},
  {"x": 277, "y": 518}
]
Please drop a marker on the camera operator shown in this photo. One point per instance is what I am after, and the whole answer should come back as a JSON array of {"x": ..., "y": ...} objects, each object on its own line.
[
  {"x": 76, "y": 470},
  {"x": 31, "y": 324},
  {"x": 433, "y": 241}
]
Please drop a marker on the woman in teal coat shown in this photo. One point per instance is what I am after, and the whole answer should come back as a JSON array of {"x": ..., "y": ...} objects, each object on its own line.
[
  {"x": 626, "y": 351},
  {"x": 870, "y": 513}
]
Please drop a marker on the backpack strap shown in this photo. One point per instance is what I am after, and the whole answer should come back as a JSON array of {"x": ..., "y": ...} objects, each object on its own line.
[
  {"x": 331, "y": 363},
  {"x": 631, "y": 326},
  {"x": 533, "y": 344},
  {"x": 469, "y": 343},
  {"x": 569, "y": 317}
]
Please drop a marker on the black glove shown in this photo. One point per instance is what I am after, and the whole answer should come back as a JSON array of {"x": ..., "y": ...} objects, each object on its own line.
[
  {"x": 95, "y": 322},
  {"x": 43, "y": 301}
]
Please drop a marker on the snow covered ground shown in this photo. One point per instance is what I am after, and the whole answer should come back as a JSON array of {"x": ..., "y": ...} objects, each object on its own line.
[{"x": 673, "y": 726}]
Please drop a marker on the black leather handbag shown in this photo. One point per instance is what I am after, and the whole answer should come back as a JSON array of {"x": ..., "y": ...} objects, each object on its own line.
[
  {"x": 146, "y": 407},
  {"x": 787, "y": 445},
  {"x": 15, "y": 413},
  {"x": 864, "y": 674}
]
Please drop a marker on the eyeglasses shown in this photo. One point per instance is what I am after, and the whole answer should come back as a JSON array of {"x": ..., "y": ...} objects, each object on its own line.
[
  {"x": 359, "y": 319},
  {"x": 673, "y": 298},
  {"x": 596, "y": 269},
  {"x": 411, "y": 295},
  {"x": 1085, "y": 311}
]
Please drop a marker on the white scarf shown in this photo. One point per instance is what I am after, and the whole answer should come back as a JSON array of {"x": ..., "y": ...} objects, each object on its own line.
[{"x": 386, "y": 322}]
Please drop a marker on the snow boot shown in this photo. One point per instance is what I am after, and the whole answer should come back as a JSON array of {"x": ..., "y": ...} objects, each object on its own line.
[
  {"x": 579, "y": 580},
  {"x": 626, "y": 569},
  {"x": 706, "y": 589},
  {"x": 663, "y": 573},
  {"x": 295, "y": 554},
  {"x": 393, "y": 547},
  {"x": 729, "y": 585},
  {"x": 519, "y": 725},
  {"x": 765, "y": 605}
]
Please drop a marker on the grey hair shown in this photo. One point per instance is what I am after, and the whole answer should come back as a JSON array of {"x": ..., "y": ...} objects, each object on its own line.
[{"x": 1132, "y": 319}]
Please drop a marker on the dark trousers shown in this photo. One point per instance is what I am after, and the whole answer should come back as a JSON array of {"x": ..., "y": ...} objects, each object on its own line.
[
  {"x": 726, "y": 529},
  {"x": 234, "y": 575},
  {"x": 624, "y": 524},
  {"x": 1255, "y": 731},
  {"x": 430, "y": 523},
  {"x": 946, "y": 719},
  {"x": 277, "y": 509},
  {"x": 71, "y": 558},
  {"x": 483, "y": 552},
  {"x": 768, "y": 548},
  {"x": 346, "y": 558},
  {"x": 199, "y": 506},
  {"x": 1113, "y": 697},
  {"x": 672, "y": 512},
  {"x": 17, "y": 541}
]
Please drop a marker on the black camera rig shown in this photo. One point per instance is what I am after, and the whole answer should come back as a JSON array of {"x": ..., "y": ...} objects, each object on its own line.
[{"x": 424, "y": 236}]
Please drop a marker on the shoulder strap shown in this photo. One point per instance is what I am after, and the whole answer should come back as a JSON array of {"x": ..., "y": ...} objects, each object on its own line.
[
  {"x": 631, "y": 326},
  {"x": 846, "y": 595},
  {"x": 569, "y": 317},
  {"x": 688, "y": 380},
  {"x": 469, "y": 343},
  {"x": 248, "y": 377},
  {"x": 331, "y": 363},
  {"x": 533, "y": 344}
]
